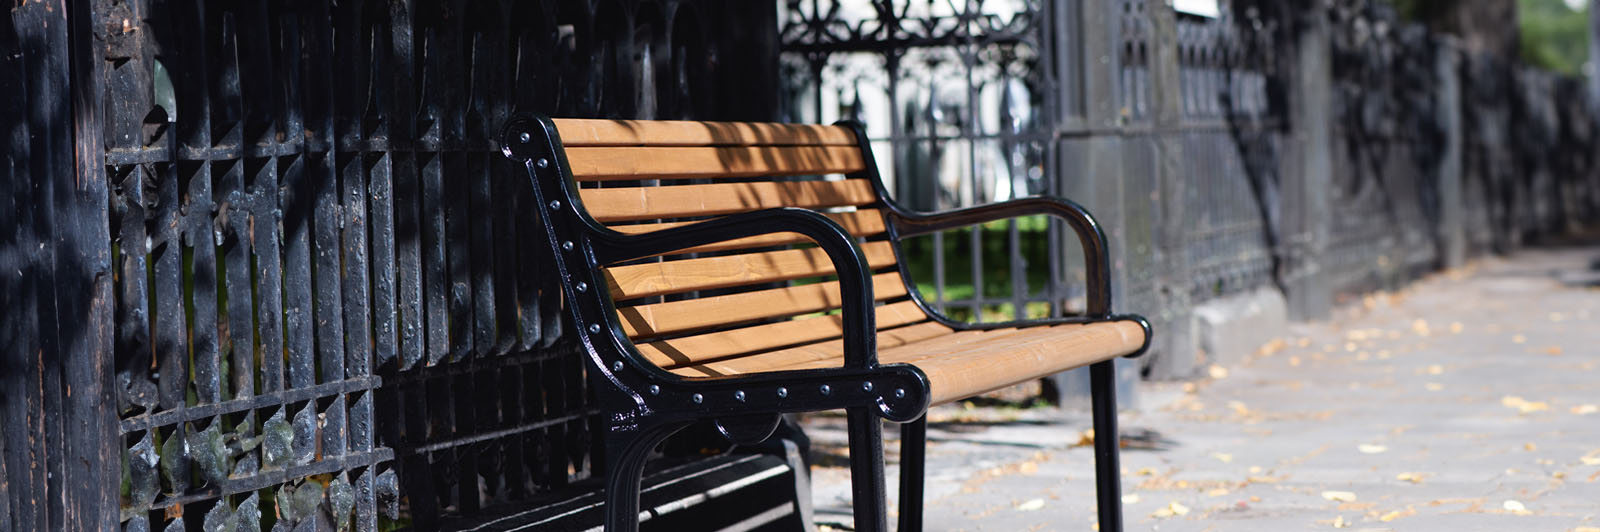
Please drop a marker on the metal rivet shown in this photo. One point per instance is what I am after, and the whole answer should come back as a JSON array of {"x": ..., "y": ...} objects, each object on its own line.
[
  {"x": 655, "y": 390},
  {"x": 899, "y": 393},
  {"x": 566, "y": 246},
  {"x": 582, "y": 286},
  {"x": 783, "y": 392},
  {"x": 555, "y": 204},
  {"x": 616, "y": 366},
  {"x": 697, "y": 398},
  {"x": 866, "y": 386},
  {"x": 594, "y": 328},
  {"x": 825, "y": 389},
  {"x": 525, "y": 137},
  {"x": 738, "y": 396},
  {"x": 542, "y": 163}
]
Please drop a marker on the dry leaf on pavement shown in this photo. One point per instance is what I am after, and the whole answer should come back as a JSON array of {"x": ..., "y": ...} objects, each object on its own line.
[{"x": 1341, "y": 496}]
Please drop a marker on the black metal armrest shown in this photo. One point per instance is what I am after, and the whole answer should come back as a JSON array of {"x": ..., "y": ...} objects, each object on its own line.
[
  {"x": 855, "y": 285},
  {"x": 1090, "y": 235}
]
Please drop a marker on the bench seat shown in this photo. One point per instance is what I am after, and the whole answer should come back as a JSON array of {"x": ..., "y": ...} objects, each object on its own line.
[
  {"x": 959, "y": 364},
  {"x": 734, "y": 272}
]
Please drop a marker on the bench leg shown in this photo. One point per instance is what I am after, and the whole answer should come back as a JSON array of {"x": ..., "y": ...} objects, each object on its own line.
[
  {"x": 625, "y": 459},
  {"x": 1108, "y": 486},
  {"x": 913, "y": 449},
  {"x": 866, "y": 471}
]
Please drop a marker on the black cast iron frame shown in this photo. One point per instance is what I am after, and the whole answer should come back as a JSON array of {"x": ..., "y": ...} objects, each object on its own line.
[{"x": 644, "y": 404}]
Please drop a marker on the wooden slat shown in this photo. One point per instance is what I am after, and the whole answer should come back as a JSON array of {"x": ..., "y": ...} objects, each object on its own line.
[
  {"x": 584, "y": 132},
  {"x": 830, "y": 354},
  {"x": 821, "y": 354},
  {"x": 724, "y": 344},
  {"x": 866, "y": 222},
  {"x": 646, "y": 203},
  {"x": 611, "y": 164},
  {"x": 688, "y": 275},
  {"x": 684, "y": 316}
]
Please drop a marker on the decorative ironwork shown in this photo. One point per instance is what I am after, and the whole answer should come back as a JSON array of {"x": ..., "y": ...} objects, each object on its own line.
[{"x": 324, "y": 300}]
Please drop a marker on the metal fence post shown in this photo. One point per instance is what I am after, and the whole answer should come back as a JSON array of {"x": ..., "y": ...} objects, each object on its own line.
[
  {"x": 1449, "y": 233},
  {"x": 1307, "y": 171},
  {"x": 1175, "y": 347}
]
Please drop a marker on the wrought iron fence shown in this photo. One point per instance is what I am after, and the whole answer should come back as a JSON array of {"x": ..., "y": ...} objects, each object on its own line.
[
  {"x": 322, "y": 316},
  {"x": 1177, "y": 129}
]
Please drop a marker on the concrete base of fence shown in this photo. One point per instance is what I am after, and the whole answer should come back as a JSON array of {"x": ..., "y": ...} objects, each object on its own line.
[
  {"x": 1231, "y": 328},
  {"x": 1219, "y": 331}
]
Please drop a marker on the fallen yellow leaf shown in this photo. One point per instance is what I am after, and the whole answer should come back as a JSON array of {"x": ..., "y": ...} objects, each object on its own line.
[
  {"x": 1171, "y": 509},
  {"x": 1515, "y": 506},
  {"x": 1585, "y": 529},
  {"x": 1223, "y": 457},
  {"x": 1530, "y": 446},
  {"x": 1391, "y": 516},
  {"x": 1130, "y": 498},
  {"x": 1523, "y": 406},
  {"x": 1591, "y": 460},
  {"x": 1584, "y": 410},
  {"x": 1218, "y": 492},
  {"x": 1435, "y": 369},
  {"x": 1218, "y": 372},
  {"x": 1414, "y": 478},
  {"x": 1031, "y": 505},
  {"x": 1518, "y": 339},
  {"x": 1368, "y": 448},
  {"x": 1339, "y": 522},
  {"x": 1340, "y": 496},
  {"x": 1420, "y": 327}
]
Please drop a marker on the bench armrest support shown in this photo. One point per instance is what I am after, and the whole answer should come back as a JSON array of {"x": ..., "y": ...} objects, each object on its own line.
[
  {"x": 855, "y": 283},
  {"x": 1090, "y": 235}
]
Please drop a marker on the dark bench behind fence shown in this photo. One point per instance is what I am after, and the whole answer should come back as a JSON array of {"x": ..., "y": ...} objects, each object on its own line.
[{"x": 677, "y": 244}]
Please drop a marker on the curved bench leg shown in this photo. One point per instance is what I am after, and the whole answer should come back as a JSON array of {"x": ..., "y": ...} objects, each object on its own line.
[
  {"x": 913, "y": 449},
  {"x": 626, "y": 457},
  {"x": 866, "y": 470},
  {"x": 1108, "y": 486}
]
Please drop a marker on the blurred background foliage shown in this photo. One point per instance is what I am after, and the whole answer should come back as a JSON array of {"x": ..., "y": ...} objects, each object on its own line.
[{"x": 1550, "y": 34}]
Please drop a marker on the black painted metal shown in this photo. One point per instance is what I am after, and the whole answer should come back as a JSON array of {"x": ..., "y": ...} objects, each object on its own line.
[
  {"x": 264, "y": 250},
  {"x": 913, "y": 472},
  {"x": 1107, "y": 466}
]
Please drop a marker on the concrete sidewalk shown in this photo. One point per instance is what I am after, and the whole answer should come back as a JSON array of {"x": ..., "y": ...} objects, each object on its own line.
[{"x": 1466, "y": 402}]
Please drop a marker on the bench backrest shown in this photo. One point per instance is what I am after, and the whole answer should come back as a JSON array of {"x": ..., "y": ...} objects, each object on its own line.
[{"x": 730, "y": 299}]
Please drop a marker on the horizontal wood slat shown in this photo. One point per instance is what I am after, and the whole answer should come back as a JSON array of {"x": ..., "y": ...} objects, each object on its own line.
[
  {"x": 688, "y": 275},
  {"x": 589, "y": 132},
  {"x": 724, "y": 344},
  {"x": 682, "y": 201},
  {"x": 620, "y": 163},
  {"x": 683, "y": 316},
  {"x": 863, "y": 223},
  {"x": 821, "y": 354}
]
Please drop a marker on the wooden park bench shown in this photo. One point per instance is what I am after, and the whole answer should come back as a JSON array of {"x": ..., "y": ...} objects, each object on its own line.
[{"x": 676, "y": 243}]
